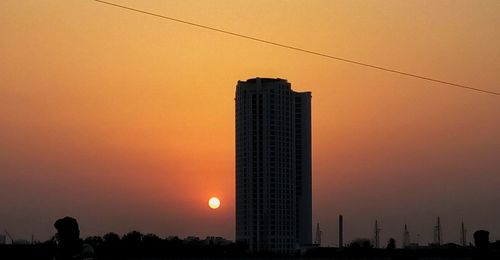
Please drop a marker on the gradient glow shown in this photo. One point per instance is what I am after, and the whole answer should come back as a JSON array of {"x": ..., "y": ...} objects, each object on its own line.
[{"x": 113, "y": 117}]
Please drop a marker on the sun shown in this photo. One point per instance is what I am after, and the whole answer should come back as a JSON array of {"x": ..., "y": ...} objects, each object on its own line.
[{"x": 214, "y": 203}]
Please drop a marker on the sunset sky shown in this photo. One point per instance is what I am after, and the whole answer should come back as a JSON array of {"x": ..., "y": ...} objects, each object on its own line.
[{"x": 126, "y": 121}]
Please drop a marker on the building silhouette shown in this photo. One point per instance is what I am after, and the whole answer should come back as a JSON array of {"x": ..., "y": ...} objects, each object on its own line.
[{"x": 273, "y": 166}]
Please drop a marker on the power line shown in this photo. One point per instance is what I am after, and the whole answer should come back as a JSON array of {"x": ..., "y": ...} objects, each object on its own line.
[{"x": 300, "y": 49}]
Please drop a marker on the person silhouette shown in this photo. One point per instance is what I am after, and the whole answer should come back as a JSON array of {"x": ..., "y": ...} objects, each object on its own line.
[
  {"x": 484, "y": 247},
  {"x": 69, "y": 244},
  {"x": 391, "y": 245},
  {"x": 482, "y": 239}
]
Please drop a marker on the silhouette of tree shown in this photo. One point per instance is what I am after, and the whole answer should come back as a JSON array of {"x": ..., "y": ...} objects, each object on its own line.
[
  {"x": 151, "y": 239},
  {"x": 94, "y": 241},
  {"x": 111, "y": 238},
  {"x": 132, "y": 244},
  {"x": 133, "y": 238},
  {"x": 111, "y": 245},
  {"x": 152, "y": 245},
  {"x": 361, "y": 243}
]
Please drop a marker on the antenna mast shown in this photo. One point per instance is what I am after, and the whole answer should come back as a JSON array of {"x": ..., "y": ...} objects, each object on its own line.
[
  {"x": 318, "y": 235},
  {"x": 406, "y": 237}
]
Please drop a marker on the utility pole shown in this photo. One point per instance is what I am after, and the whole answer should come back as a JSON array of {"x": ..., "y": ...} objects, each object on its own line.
[
  {"x": 437, "y": 233},
  {"x": 377, "y": 235},
  {"x": 341, "y": 231}
]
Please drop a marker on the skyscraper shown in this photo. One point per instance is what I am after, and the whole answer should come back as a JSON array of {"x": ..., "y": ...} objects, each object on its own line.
[{"x": 273, "y": 166}]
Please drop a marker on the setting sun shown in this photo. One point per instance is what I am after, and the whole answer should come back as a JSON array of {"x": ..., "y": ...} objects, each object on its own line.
[{"x": 214, "y": 203}]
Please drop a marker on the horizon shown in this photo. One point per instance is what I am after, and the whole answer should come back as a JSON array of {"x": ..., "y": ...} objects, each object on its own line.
[{"x": 126, "y": 122}]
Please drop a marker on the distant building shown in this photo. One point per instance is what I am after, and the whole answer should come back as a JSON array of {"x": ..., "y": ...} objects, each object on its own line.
[
  {"x": 2, "y": 240},
  {"x": 273, "y": 166}
]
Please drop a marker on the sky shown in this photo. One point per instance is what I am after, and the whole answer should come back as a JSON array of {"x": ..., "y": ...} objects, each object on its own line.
[{"x": 126, "y": 121}]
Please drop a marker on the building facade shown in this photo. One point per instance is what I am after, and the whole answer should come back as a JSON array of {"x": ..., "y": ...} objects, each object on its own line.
[{"x": 273, "y": 166}]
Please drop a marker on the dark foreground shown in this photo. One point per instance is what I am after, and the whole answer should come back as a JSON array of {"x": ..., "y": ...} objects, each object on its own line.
[{"x": 183, "y": 251}]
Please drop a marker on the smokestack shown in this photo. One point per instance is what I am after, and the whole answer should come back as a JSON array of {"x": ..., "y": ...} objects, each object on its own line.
[{"x": 341, "y": 231}]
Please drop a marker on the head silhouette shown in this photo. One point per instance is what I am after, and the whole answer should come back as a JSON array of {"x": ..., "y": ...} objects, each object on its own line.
[
  {"x": 482, "y": 239},
  {"x": 68, "y": 238},
  {"x": 67, "y": 229},
  {"x": 391, "y": 245}
]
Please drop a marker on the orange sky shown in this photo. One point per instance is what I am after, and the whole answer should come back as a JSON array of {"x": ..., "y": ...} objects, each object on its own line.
[{"x": 126, "y": 121}]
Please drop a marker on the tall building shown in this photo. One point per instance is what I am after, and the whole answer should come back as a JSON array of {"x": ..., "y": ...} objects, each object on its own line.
[{"x": 273, "y": 166}]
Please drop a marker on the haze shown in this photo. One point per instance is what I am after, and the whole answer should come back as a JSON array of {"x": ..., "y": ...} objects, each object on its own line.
[{"x": 126, "y": 122}]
